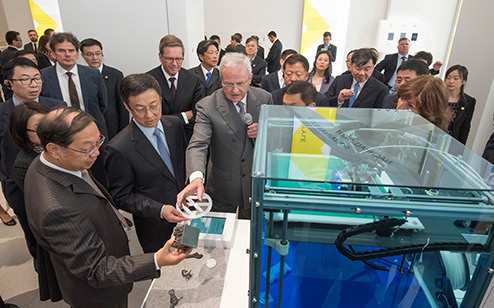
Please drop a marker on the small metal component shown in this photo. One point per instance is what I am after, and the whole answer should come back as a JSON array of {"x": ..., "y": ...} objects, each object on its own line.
[
  {"x": 247, "y": 251},
  {"x": 408, "y": 213},
  {"x": 258, "y": 204},
  {"x": 187, "y": 274},
  {"x": 490, "y": 270},
  {"x": 211, "y": 263},
  {"x": 195, "y": 255},
  {"x": 185, "y": 237},
  {"x": 255, "y": 255},
  {"x": 173, "y": 298},
  {"x": 358, "y": 210},
  {"x": 254, "y": 300}
]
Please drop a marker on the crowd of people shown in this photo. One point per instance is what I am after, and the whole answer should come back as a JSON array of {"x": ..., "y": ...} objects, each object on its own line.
[{"x": 149, "y": 140}]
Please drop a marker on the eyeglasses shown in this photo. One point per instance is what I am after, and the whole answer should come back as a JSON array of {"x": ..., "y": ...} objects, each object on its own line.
[
  {"x": 27, "y": 81},
  {"x": 232, "y": 85},
  {"x": 91, "y": 150},
  {"x": 93, "y": 54},
  {"x": 170, "y": 60}
]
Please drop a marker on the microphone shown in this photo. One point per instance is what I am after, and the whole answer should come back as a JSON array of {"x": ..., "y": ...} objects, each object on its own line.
[{"x": 248, "y": 121}]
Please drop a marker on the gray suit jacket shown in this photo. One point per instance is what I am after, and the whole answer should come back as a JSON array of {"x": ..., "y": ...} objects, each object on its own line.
[
  {"x": 85, "y": 241},
  {"x": 220, "y": 129}
]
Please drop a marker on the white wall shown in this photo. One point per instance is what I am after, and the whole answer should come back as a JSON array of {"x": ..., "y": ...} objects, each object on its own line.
[
  {"x": 129, "y": 30},
  {"x": 18, "y": 17}
]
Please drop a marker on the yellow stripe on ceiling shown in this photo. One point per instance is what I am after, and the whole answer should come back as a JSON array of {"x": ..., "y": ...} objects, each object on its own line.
[
  {"x": 315, "y": 26},
  {"x": 43, "y": 20}
]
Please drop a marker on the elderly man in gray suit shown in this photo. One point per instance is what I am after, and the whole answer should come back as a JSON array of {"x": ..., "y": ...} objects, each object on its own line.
[
  {"x": 76, "y": 222},
  {"x": 224, "y": 128}
]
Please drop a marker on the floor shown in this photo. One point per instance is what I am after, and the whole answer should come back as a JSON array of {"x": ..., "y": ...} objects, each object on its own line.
[{"x": 18, "y": 280}]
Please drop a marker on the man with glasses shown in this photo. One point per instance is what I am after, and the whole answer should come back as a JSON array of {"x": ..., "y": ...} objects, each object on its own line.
[
  {"x": 207, "y": 52},
  {"x": 145, "y": 162},
  {"x": 76, "y": 222},
  {"x": 180, "y": 89},
  {"x": 116, "y": 116},
  {"x": 24, "y": 79},
  {"x": 226, "y": 134}
]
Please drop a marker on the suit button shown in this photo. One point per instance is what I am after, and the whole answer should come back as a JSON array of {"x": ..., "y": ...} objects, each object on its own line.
[{"x": 243, "y": 159}]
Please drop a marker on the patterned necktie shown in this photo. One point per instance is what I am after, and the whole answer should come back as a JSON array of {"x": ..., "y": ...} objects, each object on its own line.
[
  {"x": 172, "y": 87},
  {"x": 74, "y": 98},
  {"x": 241, "y": 109},
  {"x": 403, "y": 59},
  {"x": 163, "y": 151},
  {"x": 355, "y": 93},
  {"x": 208, "y": 78}
]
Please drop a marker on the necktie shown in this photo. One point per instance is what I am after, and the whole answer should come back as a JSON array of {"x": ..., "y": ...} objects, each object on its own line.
[
  {"x": 208, "y": 78},
  {"x": 163, "y": 151},
  {"x": 355, "y": 93},
  {"x": 241, "y": 109},
  {"x": 172, "y": 87},
  {"x": 403, "y": 59},
  {"x": 74, "y": 98},
  {"x": 87, "y": 177},
  {"x": 35, "y": 46}
]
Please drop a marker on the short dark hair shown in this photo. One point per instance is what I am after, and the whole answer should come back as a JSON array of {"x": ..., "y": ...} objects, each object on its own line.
[
  {"x": 15, "y": 62},
  {"x": 90, "y": 42},
  {"x": 18, "y": 123},
  {"x": 31, "y": 30},
  {"x": 327, "y": 33},
  {"x": 59, "y": 130},
  {"x": 10, "y": 36},
  {"x": 171, "y": 40},
  {"x": 48, "y": 31},
  {"x": 61, "y": 37},
  {"x": 135, "y": 84},
  {"x": 215, "y": 37},
  {"x": 402, "y": 39},
  {"x": 307, "y": 91},
  {"x": 288, "y": 52},
  {"x": 272, "y": 33},
  {"x": 362, "y": 56},
  {"x": 250, "y": 39},
  {"x": 418, "y": 66},
  {"x": 297, "y": 58},
  {"x": 23, "y": 52},
  {"x": 423, "y": 55},
  {"x": 237, "y": 37},
  {"x": 203, "y": 46}
]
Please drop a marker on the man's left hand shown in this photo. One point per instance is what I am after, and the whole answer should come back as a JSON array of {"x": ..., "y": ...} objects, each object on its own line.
[{"x": 252, "y": 131}]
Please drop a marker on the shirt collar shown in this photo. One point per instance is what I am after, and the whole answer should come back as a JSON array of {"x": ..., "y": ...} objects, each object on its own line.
[
  {"x": 205, "y": 71},
  {"x": 167, "y": 77},
  {"x": 47, "y": 163},
  {"x": 149, "y": 131},
  {"x": 18, "y": 102},
  {"x": 61, "y": 71}
]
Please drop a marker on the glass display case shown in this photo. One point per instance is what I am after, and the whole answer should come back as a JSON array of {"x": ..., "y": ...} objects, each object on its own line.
[{"x": 367, "y": 208}]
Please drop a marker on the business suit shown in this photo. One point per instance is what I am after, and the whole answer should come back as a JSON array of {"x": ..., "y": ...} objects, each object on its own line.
[
  {"x": 370, "y": 96},
  {"x": 378, "y": 75},
  {"x": 8, "y": 54},
  {"x": 460, "y": 126},
  {"x": 325, "y": 84},
  {"x": 258, "y": 66},
  {"x": 8, "y": 154},
  {"x": 388, "y": 64},
  {"x": 116, "y": 116},
  {"x": 321, "y": 100},
  {"x": 260, "y": 51},
  {"x": 274, "y": 55},
  {"x": 29, "y": 46},
  {"x": 140, "y": 182},
  {"x": 489, "y": 150},
  {"x": 189, "y": 91},
  {"x": 84, "y": 238},
  {"x": 331, "y": 49},
  {"x": 95, "y": 98},
  {"x": 389, "y": 102},
  {"x": 270, "y": 82},
  {"x": 221, "y": 133},
  {"x": 214, "y": 81}
]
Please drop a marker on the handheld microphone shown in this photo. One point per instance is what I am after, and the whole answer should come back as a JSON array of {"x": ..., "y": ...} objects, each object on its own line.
[{"x": 248, "y": 121}]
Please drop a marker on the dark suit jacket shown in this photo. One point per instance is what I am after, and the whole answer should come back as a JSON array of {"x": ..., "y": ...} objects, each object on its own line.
[
  {"x": 83, "y": 236},
  {"x": 389, "y": 102},
  {"x": 221, "y": 134},
  {"x": 43, "y": 61},
  {"x": 220, "y": 56},
  {"x": 388, "y": 64},
  {"x": 239, "y": 48},
  {"x": 8, "y": 54},
  {"x": 140, "y": 182},
  {"x": 270, "y": 82},
  {"x": 258, "y": 71},
  {"x": 460, "y": 127},
  {"x": 489, "y": 150},
  {"x": 274, "y": 55},
  {"x": 321, "y": 100},
  {"x": 260, "y": 52},
  {"x": 189, "y": 91},
  {"x": 214, "y": 82},
  {"x": 29, "y": 46},
  {"x": 332, "y": 50},
  {"x": 116, "y": 116},
  {"x": 93, "y": 88},
  {"x": 370, "y": 96}
]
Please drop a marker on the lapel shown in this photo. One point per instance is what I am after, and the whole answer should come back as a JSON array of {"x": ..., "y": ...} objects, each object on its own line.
[
  {"x": 214, "y": 77},
  {"x": 182, "y": 88},
  {"x": 462, "y": 105},
  {"x": 198, "y": 72},
  {"x": 229, "y": 113},
  {"x": 253, "y": 105},
  {"x": 165, "y": 89},
  {"x": 52, "y": 83},
  {"x": 84, "y": 80},
  {"x": 105, "y": 74},
  {"x": 148, "y": 152},
  {"x": 366, "y": 90}
]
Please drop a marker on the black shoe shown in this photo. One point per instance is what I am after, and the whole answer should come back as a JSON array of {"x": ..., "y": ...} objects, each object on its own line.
[{"x": 11, "y": 222}]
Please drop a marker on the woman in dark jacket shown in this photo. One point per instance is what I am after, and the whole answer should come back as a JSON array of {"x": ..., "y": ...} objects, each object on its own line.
[{"x": 461, "y": 104}]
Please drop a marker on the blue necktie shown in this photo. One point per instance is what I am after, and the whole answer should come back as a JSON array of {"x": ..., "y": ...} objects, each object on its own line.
[
  {"x": 162, "y": 150},
  {"x": 355, "y": 93},
  {"x": 208, "y": 78}
]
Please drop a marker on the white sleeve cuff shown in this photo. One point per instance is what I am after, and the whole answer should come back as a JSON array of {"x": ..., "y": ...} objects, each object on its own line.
[
  {"x": 196, "y": 175},
  {"x": 184, "y": 115}
]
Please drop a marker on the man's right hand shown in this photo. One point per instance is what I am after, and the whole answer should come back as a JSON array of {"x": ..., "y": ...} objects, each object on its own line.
[
  {"x": 166, "y": 257},
  {"x": 196, "y": 187},
  {"x": 345, "y": 94}
]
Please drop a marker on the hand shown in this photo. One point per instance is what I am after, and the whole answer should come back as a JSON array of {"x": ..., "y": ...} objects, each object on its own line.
[
  {"x": 437, "y": 65},
  {"x": 252, "y": 131},
  {"x": 165, "y": 257},
  {"x": 171, "y": 214},
  {"x": 196, "y": 187},
  {"x": 345, "y": 94},
  {"x": 189, "y": 114}
]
